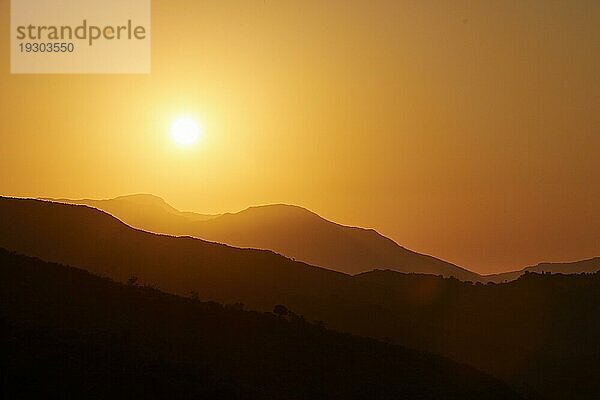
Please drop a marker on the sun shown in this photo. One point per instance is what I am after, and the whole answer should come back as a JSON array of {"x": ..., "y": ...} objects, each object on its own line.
[{"x": 185, "y": 131}]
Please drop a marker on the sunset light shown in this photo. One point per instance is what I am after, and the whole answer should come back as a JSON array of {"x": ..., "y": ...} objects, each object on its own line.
[
  {"x": 185, "y": 131},
  {"x": 269, "y": 199}
]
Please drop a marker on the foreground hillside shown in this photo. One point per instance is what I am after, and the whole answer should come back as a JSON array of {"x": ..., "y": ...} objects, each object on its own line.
[
  {"x": 539, "y": 332},
  {"x": 289, "y": 230},
  {"x": 68, "y": 334}
]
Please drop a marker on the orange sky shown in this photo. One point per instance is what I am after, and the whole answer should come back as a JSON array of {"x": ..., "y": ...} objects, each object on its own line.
[{"x": 469, "y": 130}]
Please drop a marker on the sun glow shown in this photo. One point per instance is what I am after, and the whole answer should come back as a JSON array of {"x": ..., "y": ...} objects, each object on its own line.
[{"x": 185, "y": 131}]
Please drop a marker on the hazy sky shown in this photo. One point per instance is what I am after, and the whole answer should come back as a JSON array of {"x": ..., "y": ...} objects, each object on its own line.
[{"x": 469, "y": 130}]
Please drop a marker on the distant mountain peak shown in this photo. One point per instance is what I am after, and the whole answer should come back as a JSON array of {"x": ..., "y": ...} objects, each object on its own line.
[
  {"x": 589, "y": 265},
  {"x": 279, "y": 209},
  {"x": 142, "y": 197},
  {"x": 566, "y": 264},
  {"x": 148, "y": 200},
  {"x": 283, "y": 206}
]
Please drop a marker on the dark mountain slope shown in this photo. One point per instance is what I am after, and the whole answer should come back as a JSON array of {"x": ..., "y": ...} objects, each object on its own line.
[
  {"x": 289, "y": 230},
  {"x": 540, "y": 331},
  {"x": 68, "y": 334}
]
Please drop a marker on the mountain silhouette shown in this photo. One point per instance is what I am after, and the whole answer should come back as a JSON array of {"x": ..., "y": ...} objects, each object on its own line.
[
  {"x": 68, "y": 334},
  {"x": 577, "y": 267},
  {"x": 539, "y": 333},
  {"x": 288, "y": 230},
  {"x": 143, "y": 211}
]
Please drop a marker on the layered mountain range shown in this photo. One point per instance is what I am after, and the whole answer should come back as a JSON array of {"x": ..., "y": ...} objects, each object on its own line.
[
  {"x": 537, "y": 333},
  {"x": 300, "y": 234},
  {"x": 288, "y": 230}
]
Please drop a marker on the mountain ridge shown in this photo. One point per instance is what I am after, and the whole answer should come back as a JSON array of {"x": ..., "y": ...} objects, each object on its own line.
[
  {"x": 296, "y": 232},
  {"x": 590, "y": 265}
]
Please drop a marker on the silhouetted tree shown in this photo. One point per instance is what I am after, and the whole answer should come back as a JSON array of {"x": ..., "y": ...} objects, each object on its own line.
[
  {"x": 236, "y": 306},
  {"x": 280, "y": 310},
  {"x": 132, "y": 281},
  {"x": 152, "y": 286}
]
